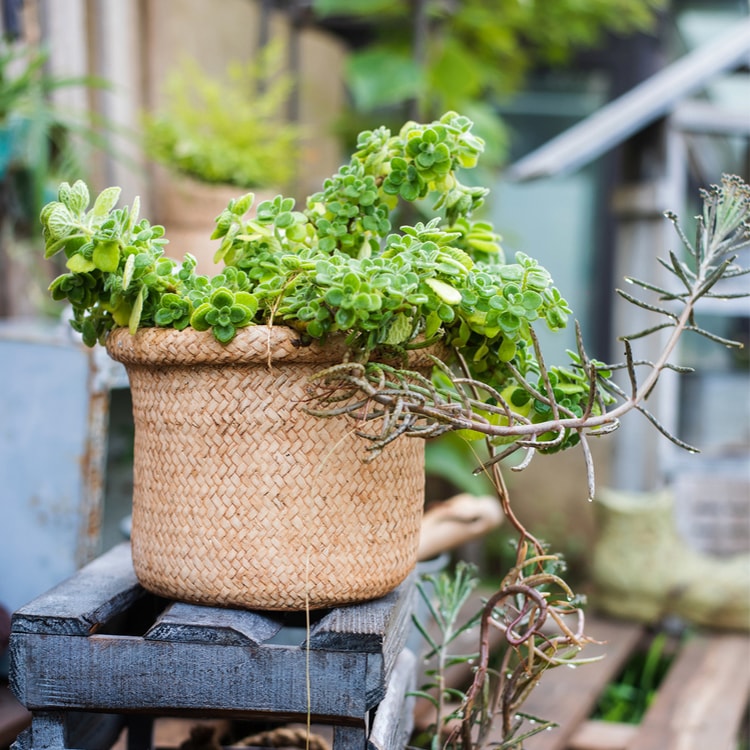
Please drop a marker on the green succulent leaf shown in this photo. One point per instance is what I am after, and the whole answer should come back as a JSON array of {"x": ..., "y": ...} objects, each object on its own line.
[
  {"x": 198, "y": 318},
  {"x": 80, "y": 264},
  {"x": 106, "y": 256},
  {"x": 135, "y": 315},
  {"x": 447, "y": 293}
]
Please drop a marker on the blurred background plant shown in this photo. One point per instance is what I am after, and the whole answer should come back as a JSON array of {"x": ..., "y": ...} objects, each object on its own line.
[
  {"x": 39, "y": 141},
  {"x": 421, "y": 58},
  {"x": 230, "y": 131}
]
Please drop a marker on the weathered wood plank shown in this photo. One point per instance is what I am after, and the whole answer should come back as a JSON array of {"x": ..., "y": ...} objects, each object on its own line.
[
  {"x": 394, "y": 717},
  {"x": 602, "y": 735},
  {"x": 702, "y": 700},
  {"x": 47, "y": 731},
  {"x": 191, "y": 623},
  {"x": 365, "y": 627},
  {"x": 349, "y": 738},
  {"x": 81, "y": 604},
  {"x": 379, "y": 628},
  {"x": 159, "y": 676},
  {"x": 58, "y": 730},
  {"x": 567, "y": 696}
]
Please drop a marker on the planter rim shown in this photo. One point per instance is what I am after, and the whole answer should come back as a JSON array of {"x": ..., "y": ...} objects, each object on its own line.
[{"x": 256, "y": 344}]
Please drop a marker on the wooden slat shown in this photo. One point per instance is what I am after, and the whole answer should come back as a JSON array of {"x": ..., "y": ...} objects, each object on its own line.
[
  {"x": 394, "y": 717},
  {"x": 190, "y": 623},
  {"x": 365, "y": 627},
  {"x": 567, "y": 696},
  {"x": 163, "y": 677},
  {"x": 702, "y": 700},
  {"x": 85, "y": 601},
  {"x": 602, "y": 735}
]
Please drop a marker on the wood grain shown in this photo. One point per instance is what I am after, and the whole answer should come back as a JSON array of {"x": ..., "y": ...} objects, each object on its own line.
[{"x": 702, "y": 700}]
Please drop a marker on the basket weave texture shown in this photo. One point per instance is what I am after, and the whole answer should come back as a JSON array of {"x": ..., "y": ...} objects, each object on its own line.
[{"x": 241, "y": 498}]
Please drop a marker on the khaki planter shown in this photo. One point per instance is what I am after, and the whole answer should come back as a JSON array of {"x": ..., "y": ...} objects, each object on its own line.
[{"x": 241, "y": 498}]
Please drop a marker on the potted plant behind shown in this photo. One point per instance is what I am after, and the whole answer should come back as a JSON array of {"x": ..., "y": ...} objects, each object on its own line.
[
  {"x": 402, "y": 335},
  {"x": 212, "y": 138}
]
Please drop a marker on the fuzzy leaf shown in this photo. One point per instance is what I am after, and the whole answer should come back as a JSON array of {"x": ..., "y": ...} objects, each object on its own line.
[
  {"x": 242, "y": 205},
  {"x": 60, "y": 222},
  {"x": 198, "y": 318},
  {"x": 78, "y": 198},
  {"x": 135, "y": 315},
  {"x": 127, "y": 274},
  {"x": 714, "y": 337},
  {"x": 645, "y": 305},
  {"x": 250, "y": 301},
  {"x": 648, "y": 331},
  {"x": 713, "y": 277},
  {"x": 224, "y": 333},
  {"x": 400, "y": 330},
  {"x": 106, "y": 256},
  {"x": 105, "y": 201},
  {"x": 133, "y": 214}
]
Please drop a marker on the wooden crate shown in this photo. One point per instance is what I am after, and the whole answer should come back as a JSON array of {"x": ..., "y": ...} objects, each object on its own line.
[{"x": 98, "y": 645}]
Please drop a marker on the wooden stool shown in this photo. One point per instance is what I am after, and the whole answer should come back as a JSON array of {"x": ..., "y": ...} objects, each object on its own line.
[{"x": 99, "y": 644}]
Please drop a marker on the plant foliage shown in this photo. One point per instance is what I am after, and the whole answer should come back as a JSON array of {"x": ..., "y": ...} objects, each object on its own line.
[
  {"x": 35, "y": 134},
  {"x": 339, "y": 268}
]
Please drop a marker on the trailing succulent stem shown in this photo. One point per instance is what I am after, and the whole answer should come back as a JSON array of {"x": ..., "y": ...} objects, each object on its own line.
[
  {"x": 522, "y": 404},
  {"x": 533, "y": 607},
  {"x": 538, "y": 624}
]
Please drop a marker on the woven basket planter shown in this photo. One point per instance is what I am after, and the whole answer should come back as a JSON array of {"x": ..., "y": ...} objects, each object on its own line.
[{"x": 241, "y": 498}]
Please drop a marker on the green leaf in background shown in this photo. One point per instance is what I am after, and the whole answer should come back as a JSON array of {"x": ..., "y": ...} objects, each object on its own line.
[
  {"x": 455, "y": 74},
  {"x": 380, "y": 77},
  {"x": 452, "y": 458}
]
